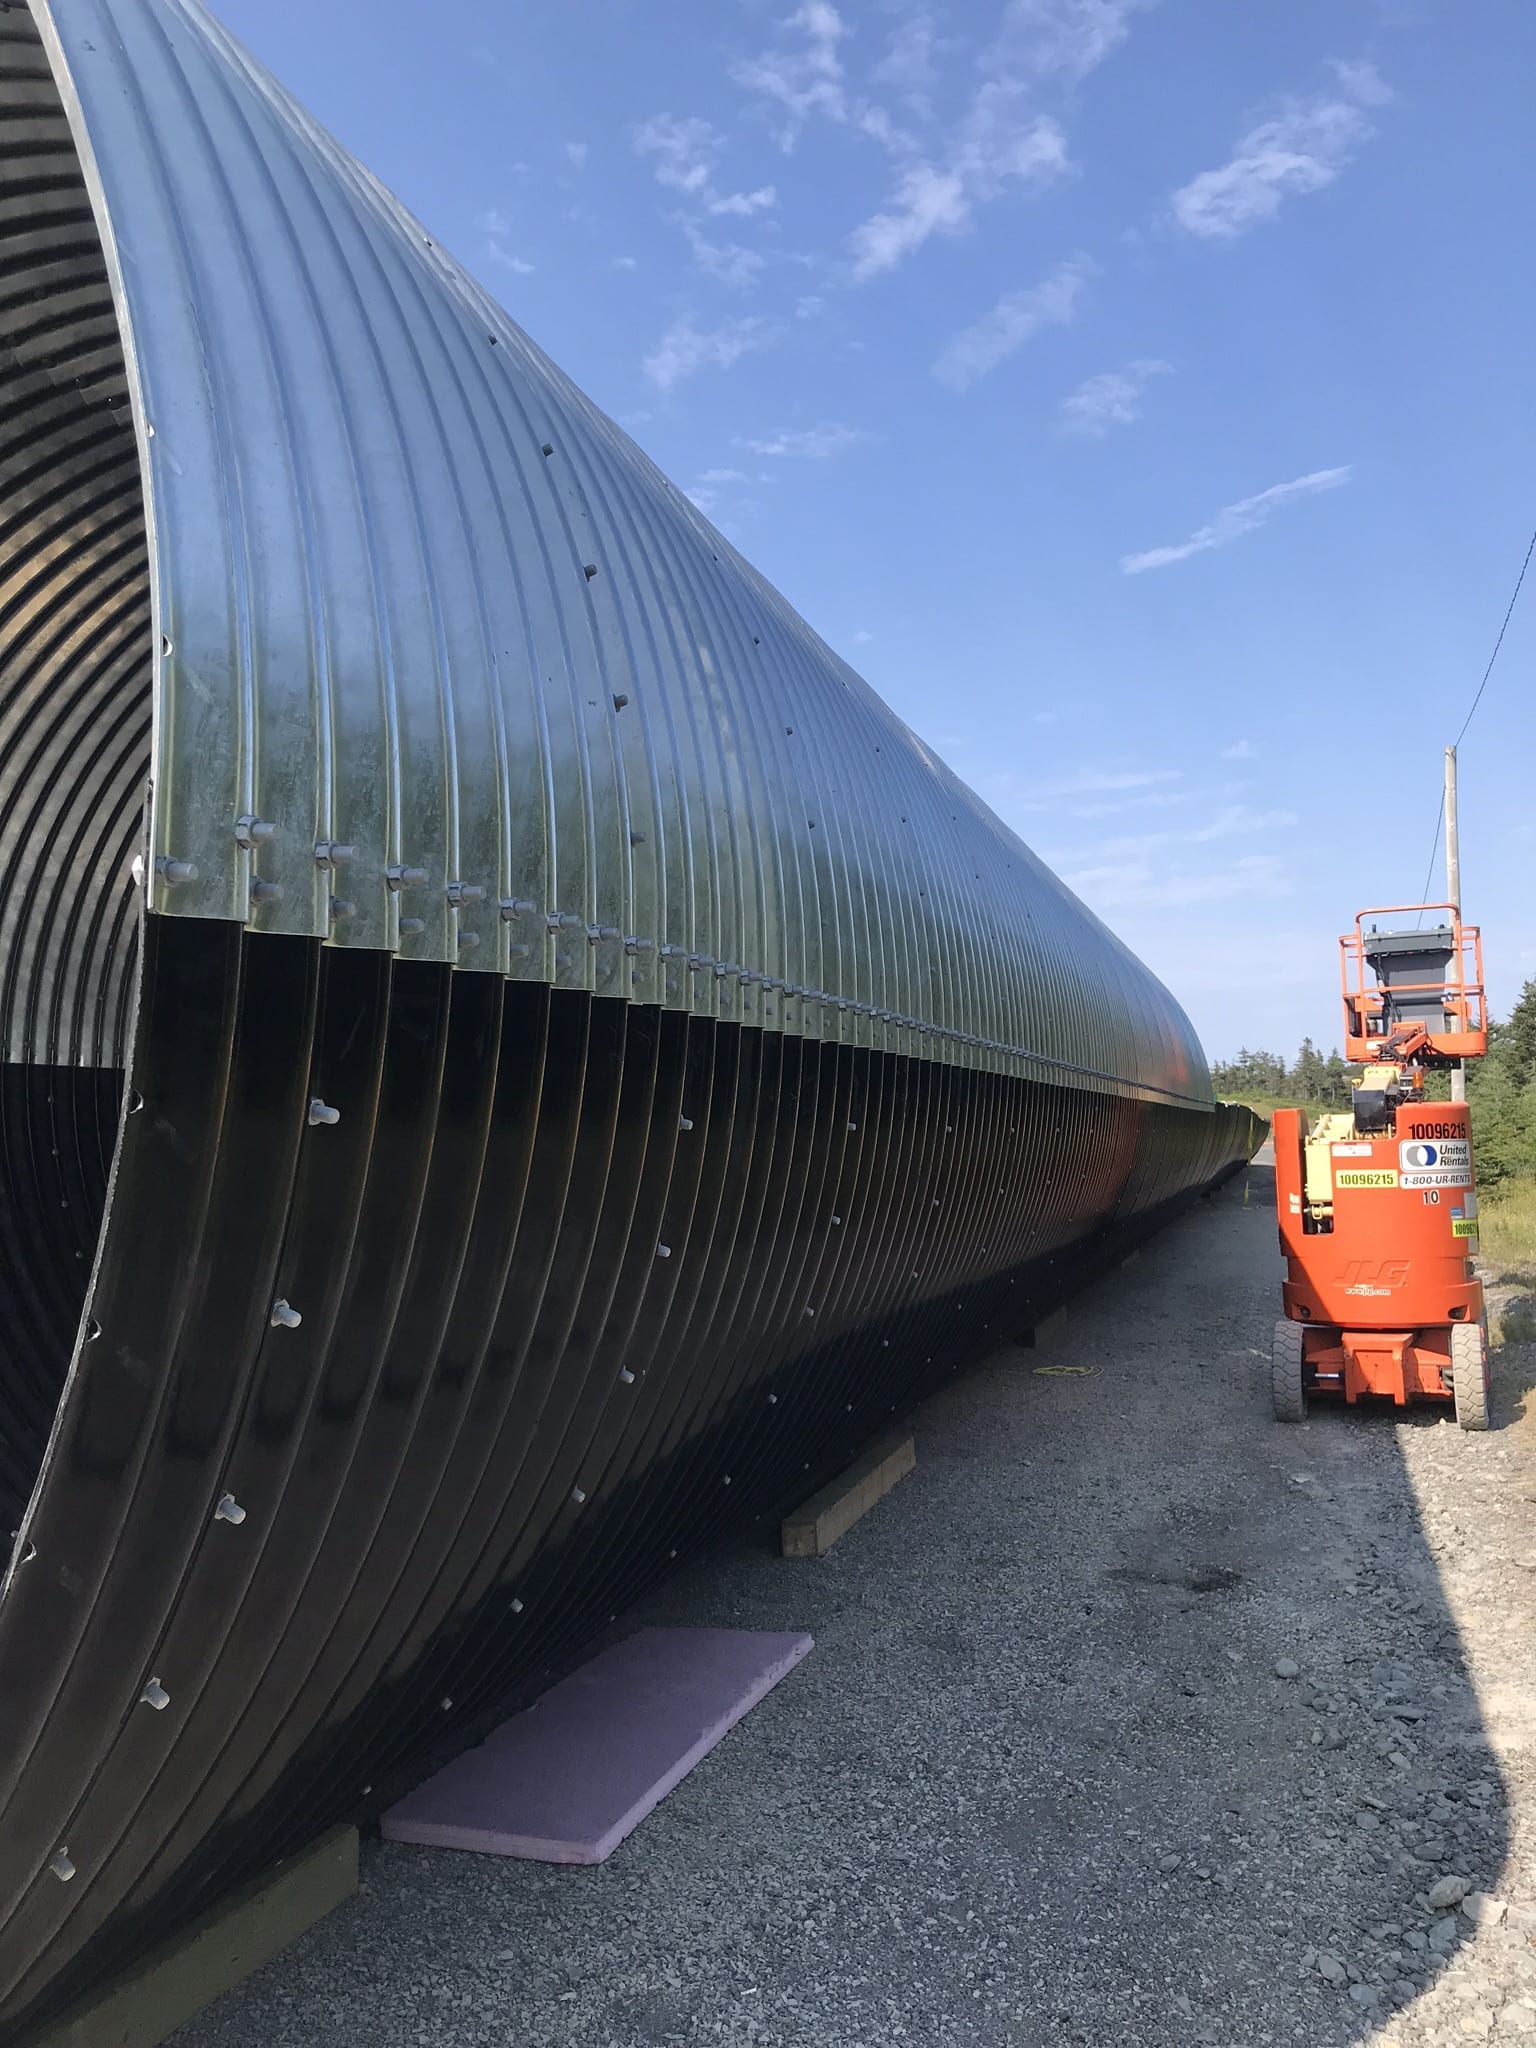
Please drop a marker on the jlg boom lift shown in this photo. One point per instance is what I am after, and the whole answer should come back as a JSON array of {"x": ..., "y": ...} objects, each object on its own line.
[{"x": 1378, "y": 1207}]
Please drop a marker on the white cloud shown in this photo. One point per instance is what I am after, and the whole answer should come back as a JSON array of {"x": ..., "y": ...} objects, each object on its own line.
[
  {"x": 806, "y": 77},
  {"x": 1240, "y": 750},
  {"x": 1134, "y": 884},
  {"x": 908, "y": 64},
  {"x": 808, "y": 307},
  {"x": 682, "y": 152},
  {"x": 744, "y": 203},
  {"x": 1301, "y": 149},
  {"x": 518, "y": 265},
  {"x": 685, "y": 349},
  {"x": 999, "y": 141},
  {"x": 1093, "y": 781},
  {"x": 1064, "y": 38},
  {"x": 577, "y": 153},
  {"x": 494, "y": 221},
  {"x": 729, "y": 262},
  {"x": 813, "y": 443},
  {"x": 626, "y": 263},
  {"x": 1112, "y": 399},
  {"x": 1233, "y": 521},
  {"x": 1047, "y": 717},
  {"x": 1017, "y": 316},
  {"x": 863, "y": 637}
]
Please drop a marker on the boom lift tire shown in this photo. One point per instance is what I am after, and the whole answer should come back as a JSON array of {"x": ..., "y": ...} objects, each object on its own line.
[
  {"x": 1286, "y": 1385},
  {"x": 1469, "y": 1373}
]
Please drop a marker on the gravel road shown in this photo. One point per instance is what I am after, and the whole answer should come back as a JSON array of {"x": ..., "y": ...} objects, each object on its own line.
[{"x": 1134, "y": 1718}]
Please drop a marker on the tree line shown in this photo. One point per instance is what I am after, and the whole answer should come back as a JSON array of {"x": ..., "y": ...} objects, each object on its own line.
[{"x": 1501, "y": 1089}]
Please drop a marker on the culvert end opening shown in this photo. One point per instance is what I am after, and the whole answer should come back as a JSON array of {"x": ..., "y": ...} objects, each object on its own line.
[{"x": 75, "y": 704}]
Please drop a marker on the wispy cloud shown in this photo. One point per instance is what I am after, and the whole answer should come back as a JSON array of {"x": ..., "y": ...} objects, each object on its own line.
[
  {"x": 1064, "y": 38},
  {"x": 1016, "y": 318},
  {"x": 626, "y": 263},
  {"x": 1112, "y": 399},
  {"x": 1000, "y": 142},
  {"x": 811, "y": 443},
  {"x": 709, "y": 489},
  {"x": 497, "y": 225},
  {"x": 1136, "y": 884},
  {"x": 908, "y": 66},
  {"x": 1233, "y": 521},
  {"x": 743, "y": 204},
  {"x": 576, "y": 154},
  {"x": 803, "y": 76},
  {"x": 685, "y": 349},
  {"x": 682, "y": 153},
  {"x": 1092, "y": 781},
  {"x": 729, "y": 262},
  {"x": 1240, "y": 750},
  {"x": 1299, "y": 150}
]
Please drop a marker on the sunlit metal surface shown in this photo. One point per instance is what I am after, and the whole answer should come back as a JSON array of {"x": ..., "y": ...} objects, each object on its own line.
[{"x": 575, "y": 1067}]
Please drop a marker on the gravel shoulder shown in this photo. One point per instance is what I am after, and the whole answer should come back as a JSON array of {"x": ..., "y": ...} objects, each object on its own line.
[{"x": 1134, "y": 1718}]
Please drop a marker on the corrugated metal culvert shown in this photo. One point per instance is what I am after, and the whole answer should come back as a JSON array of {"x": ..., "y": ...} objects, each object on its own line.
[{"x": 514, "y": 1060}]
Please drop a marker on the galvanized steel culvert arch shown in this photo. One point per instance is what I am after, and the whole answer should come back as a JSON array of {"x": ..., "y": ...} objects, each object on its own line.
[{"x": 503, "y": 1031}]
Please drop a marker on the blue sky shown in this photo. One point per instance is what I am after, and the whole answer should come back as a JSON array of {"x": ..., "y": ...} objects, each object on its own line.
[{"x": 1136, "y": 391}]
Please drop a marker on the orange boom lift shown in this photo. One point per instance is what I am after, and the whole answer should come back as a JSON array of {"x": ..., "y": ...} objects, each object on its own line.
[{"x": 1378, "y": 1206}]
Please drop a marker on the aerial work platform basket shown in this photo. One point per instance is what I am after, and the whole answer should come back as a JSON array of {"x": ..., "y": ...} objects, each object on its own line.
[{"x": 1423, "y": 1002}]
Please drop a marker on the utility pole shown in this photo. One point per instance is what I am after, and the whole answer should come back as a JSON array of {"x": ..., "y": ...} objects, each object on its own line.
[{"x": 1453, "y": 894}]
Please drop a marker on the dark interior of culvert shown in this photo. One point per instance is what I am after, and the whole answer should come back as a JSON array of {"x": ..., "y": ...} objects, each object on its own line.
[{"x": 75, "y": 689}]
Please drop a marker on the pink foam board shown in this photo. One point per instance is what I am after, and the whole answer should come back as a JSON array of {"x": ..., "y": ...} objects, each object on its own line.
[{"x": 566, "y": 1781}]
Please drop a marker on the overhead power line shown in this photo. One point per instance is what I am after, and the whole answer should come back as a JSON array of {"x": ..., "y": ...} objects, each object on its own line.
[{"x": 1472, "y": 708}]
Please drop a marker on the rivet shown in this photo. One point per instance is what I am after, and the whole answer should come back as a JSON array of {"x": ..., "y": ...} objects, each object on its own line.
[
  {"x": 517, "y": 1606},
  {"x": 577, "y": 1495},
  {"x": 284, "y": 1317},
  {"x": 726, "y": 1480},
  {"x": 253, "y": 831},
  {"x": 165, "y": 643},
  {"x": 409, "y": 926},
  {"x": 671, "y": 1553},
  {"x": 469, "y": 938},
  {"x": 174, "y": 872},
  {"x": 773, "y": 1400},
  {"x": 637, "y": 945},
  {"x": 333, "y": 853},
  {"x": 342, "y": 908},
  {"x": 619, "y": 700},
  {"x": 155, "y": 1695},
  {"x": 266, "y": 892},
  {"x": 322, "y": 1112},
  {"x": 464, "y": 892},
  {"x": 837, "y": 1219},
  {"x": 810, "y": 1311},
  {"x": 519, "y": 952},
  {"x": 685, "y": 1123},
  {"x": 589, "y": 570},
  {"x": 229, "y": 1510},
  {"x": 513, "y": 906},
  {"x": 663, "y": 1251},
  {"x": 626, "y": 1377},
  {"x": 548, "y": 448},
  {"x": 596, "y": 933},
  {"x": 852, "y": 1127},
  {"x": 886, "y": 1343},
  {"x": 446, "y": 1704},
  {"x": 61, "y": 1863},
  {"x": 398, "y": 876},
  {"x": 92, "y": 1331}
]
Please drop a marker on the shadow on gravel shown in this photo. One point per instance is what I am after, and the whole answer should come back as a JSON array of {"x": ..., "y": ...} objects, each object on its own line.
[{"x": 1135, "y": 1718}]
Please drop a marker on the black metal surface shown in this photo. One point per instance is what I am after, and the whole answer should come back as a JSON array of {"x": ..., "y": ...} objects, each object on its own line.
[{"x": 488, "y": 1330}]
